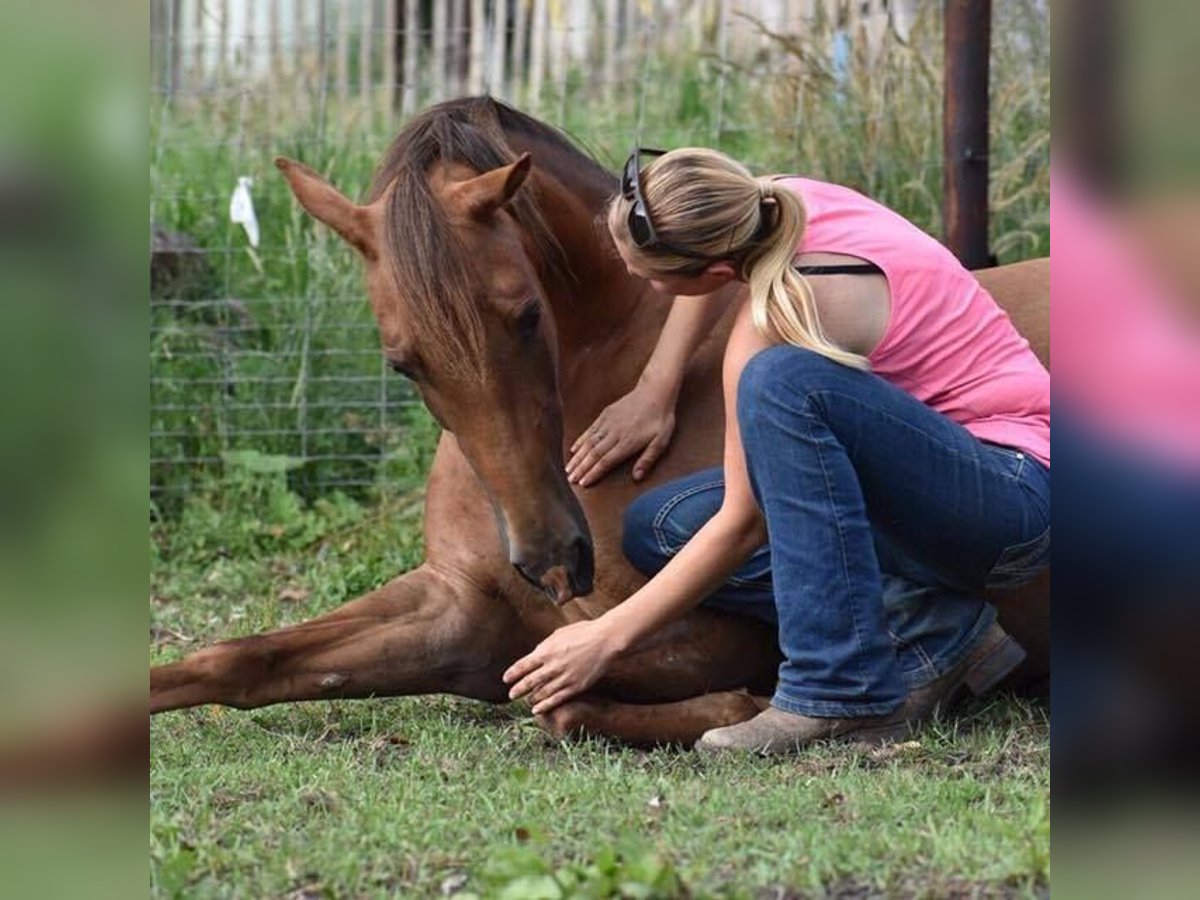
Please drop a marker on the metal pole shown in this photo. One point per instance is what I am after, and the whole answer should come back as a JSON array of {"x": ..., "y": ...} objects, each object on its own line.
[{"x": 968, "y": 35}]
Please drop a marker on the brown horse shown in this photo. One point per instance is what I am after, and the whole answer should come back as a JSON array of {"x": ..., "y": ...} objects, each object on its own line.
[{"x": 498, "y": 293}]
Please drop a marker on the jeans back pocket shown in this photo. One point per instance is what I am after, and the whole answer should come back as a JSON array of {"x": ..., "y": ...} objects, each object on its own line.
[{"x": 1021, "y": 563}]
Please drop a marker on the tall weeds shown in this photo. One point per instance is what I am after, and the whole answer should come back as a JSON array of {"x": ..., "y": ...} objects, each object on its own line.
[{"x": 275, "y": 349}]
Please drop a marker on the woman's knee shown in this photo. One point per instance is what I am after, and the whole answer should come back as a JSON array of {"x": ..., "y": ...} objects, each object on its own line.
[
  {"x": 787, "y": 371},
  {"x": 658, "y": 523},
  {"x": 782, "y": 379},
  {"x": 637, "y": 533}
]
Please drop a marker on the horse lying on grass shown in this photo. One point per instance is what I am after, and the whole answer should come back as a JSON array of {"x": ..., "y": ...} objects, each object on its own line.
[{"x": 500, "y": 296}]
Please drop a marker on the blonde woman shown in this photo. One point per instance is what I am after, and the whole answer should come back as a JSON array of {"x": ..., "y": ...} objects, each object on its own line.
[{"x": 886, "y": 454}]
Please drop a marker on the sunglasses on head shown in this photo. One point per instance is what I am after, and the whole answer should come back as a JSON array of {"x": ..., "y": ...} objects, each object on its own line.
[{"x": 641, "y": 229}]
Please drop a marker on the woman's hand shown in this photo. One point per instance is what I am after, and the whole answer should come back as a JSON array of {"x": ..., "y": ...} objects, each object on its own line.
[
  {"x": 644, "y": 419},
  {"x": 567, "y": 662}
]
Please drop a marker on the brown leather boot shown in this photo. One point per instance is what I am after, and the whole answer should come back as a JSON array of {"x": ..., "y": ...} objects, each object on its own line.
[
  {"x": 988, "y": 663},
  {"x": 774, "y": 731}
]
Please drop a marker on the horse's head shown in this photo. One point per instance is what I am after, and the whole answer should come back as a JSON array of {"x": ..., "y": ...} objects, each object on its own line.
[{"x": 458, "y": 294}]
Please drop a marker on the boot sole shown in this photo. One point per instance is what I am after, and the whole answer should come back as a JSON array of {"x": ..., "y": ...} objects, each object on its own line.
[{"x": 881, "y": 734}]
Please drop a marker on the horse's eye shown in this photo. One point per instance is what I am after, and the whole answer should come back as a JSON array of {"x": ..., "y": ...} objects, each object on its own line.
[
  {"x": 528, "y": 321},
  {"x": 400, "y": 368}
]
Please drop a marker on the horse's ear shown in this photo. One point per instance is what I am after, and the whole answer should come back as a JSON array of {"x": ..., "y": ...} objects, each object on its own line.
[
  {"x": 482, "y": 195},
  {"x": 324, "y": 202}
]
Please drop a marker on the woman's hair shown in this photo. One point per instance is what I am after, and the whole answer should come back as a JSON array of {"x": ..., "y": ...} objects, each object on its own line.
[{"x": 703, "y": 202}]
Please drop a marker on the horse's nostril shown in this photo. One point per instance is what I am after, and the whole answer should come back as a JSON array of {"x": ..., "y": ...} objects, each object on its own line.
[
  {"x": 581, "y": 549},
  {"x": 582, "y": 566},
  {"x": 572, "y": 563},
  {"x": 524, "y": 572}
]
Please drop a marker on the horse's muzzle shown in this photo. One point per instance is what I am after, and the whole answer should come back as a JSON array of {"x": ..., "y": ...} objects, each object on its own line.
[{"x": 572, "y": 577}]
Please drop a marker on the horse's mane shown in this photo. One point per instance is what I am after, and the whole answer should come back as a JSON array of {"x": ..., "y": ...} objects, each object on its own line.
[{"x": 426, "y": 256}]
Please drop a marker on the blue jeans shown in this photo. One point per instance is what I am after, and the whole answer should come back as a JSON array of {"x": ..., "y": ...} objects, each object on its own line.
[{"x": 886, "y": 521}]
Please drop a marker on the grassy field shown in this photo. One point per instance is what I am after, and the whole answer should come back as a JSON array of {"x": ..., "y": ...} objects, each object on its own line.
[
  {"x": 288, "y": 478},
  {"x": 426, "y": 796},
  {"x": 423, "y": 796}
]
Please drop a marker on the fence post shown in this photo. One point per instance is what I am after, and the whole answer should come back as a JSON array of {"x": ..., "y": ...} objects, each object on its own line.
[
  {"x": 496, "y": 83},
  {"x": 249, "y": 46},
  {"x": 273, "y": 47},
  {"x": 342, "y": 51},
  {"x": 390, "y": 45},
  {"x": 197, "y": 47},
  {"x": 441, "y": 25},
  {"x": 967, "y": 48},
  {"x": 476, "y": 59},
  {"x": 612, "y": 25},
  {"x": 537, "y": 52},
  {"x": 412, "y": 48},
  {"x": 223, "y": 42},
  {"x": 364, "y": 53},
  {"x": 460, "y": 37},
  {"x": 175, "y": 42},
  {"x": 517, "y": 70}
]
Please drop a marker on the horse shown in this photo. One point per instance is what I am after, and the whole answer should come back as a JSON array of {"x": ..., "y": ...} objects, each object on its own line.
[{"x": 498, "y": 292}]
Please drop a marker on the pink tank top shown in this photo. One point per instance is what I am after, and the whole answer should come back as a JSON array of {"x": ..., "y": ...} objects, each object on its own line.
[{"x": 947, "y": 342}]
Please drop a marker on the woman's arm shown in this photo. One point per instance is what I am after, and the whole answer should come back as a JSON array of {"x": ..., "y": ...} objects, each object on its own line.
[
  {"x": 725, "y": 541},
  {"x": 644, "y": 419},
  {"x": 573, "y": 657},
  {"x": 689, "y": 322}
]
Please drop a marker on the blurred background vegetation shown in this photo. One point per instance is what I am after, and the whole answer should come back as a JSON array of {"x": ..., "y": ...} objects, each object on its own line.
[{"x": 265, "y": 361}]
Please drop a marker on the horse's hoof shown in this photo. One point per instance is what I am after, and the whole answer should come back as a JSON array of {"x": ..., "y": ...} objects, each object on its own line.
[{"x": 566, "y": 720}]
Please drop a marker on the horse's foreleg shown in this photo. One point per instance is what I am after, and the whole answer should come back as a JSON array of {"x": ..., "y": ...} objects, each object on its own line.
[
  {"x": 423, "y": 632},
  {"x": 651, "y": 724}
]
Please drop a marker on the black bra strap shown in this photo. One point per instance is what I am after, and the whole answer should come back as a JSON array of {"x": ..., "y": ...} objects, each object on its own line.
[{"x": 866, "y": 268}]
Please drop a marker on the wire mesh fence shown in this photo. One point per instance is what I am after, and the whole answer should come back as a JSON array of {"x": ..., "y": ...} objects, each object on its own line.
[{"x": 267, "y": 356}]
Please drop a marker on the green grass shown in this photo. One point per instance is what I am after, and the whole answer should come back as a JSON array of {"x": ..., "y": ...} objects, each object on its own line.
[
  {"x": 398, "y": 796},
  {"x": 401, "y": 796}
]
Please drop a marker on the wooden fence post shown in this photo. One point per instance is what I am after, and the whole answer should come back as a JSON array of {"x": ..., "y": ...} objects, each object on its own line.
[
  {"x": 342, "y": 51},
  {"x": 968, "y": 33},
  {"x": 458, "y": 38},
  {"x": 440, "y": 26},
  {"x": 496, "y": 64},
  {"x": 518, "y": 71},
  {"x": 475, "y": 58},
  {"x": 389, "y": 43},
  {"x": 223, "y": 43},
  {"x": 364, "y": 52},
  {"x": 412, "y": 48},
  {"x": 612, "y": 15},
  {"x": 537, "y": 52}
]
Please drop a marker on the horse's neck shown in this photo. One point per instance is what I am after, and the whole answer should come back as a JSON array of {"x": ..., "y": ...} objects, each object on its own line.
[{"x": 607, "y": 321}]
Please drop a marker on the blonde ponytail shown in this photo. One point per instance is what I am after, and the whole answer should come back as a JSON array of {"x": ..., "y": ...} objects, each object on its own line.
[
  {"x": 710, "y": 207},
  {"x": 782, "y": 305}
]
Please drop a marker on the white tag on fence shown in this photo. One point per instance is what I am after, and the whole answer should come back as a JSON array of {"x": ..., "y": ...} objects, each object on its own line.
[{"x": 241, "y": 209}]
